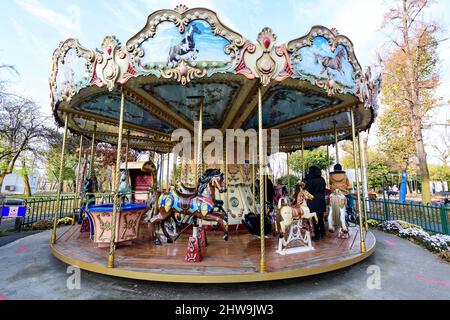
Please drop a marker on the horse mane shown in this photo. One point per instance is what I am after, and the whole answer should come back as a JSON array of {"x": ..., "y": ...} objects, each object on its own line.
[{"x": 204, "y": 180}]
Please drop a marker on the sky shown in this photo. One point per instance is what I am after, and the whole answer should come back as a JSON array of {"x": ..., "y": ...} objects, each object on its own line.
[{"x": 30, "y": 30}]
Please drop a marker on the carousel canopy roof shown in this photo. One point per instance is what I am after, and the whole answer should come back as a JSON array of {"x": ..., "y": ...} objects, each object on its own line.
[{"x": 308, "y": 84}]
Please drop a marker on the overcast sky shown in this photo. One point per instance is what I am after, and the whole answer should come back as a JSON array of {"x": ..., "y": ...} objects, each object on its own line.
[{"x": 30, "y": 30}]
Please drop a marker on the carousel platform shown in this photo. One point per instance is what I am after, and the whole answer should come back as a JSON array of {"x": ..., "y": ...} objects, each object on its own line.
[{"x": 223, "y": 262}]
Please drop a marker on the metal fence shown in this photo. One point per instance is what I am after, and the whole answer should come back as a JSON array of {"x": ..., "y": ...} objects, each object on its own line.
[
  {"x": 44, "y": 207},
  {"x": 432, "y": 218}
]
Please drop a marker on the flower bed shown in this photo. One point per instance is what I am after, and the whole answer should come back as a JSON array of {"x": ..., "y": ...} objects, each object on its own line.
[{"x": 437, "y": 243}]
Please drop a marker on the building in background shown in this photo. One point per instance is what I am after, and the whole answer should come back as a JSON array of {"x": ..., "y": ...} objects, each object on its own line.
[{"x": 13, "y": 184}]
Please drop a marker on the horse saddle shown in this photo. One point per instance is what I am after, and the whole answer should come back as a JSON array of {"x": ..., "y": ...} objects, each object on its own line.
[
  {"x": 297, "y": 213},
  {"x": 185, "y": 199},
  {"x": 184, "y": 191}
]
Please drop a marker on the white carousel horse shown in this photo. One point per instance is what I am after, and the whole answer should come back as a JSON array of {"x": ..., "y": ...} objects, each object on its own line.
[
  {"x": 124, "y": 186},
  {"x": 336, "y": 216},
  {"x": 292, "y": 218}
]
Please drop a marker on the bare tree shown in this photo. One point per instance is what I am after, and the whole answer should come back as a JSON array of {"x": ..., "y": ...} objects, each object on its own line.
[{"x": 23, "y": 131}]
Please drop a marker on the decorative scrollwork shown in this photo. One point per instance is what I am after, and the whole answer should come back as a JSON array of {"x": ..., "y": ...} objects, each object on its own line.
[
  {"x": 59, "y": 56},
  {"x": 334, "y": 39},
  {"x": 183, "y": 73},
  {"x": 330, "y": 86}
]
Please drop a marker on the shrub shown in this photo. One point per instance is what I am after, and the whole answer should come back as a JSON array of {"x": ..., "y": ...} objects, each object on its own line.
[
  {"x": 391, "y": 226},
  {"x": 373, "y": 223},
  {"x": 406, "y": 225},
  {"x": 435, "y": 243},
  {"x": 67, "y": 221},
  {"x": 42, "y": 225}
]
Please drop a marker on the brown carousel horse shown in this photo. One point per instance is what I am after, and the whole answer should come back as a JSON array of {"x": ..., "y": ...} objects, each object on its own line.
[
  {"x": 200, "y": 203},
  {"x": 288, "y": 214}
]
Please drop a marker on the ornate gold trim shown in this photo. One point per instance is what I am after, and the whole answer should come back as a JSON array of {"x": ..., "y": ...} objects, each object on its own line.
[{"x": 59, "y": 55}]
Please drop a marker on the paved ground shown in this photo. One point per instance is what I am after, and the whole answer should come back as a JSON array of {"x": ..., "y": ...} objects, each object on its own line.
[
  {"x": 8, "y": 237},
  {"x": 29, "y": 271}
]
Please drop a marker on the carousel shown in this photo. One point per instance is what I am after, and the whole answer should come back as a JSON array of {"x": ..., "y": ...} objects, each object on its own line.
[{"x": 219, "y": 104}]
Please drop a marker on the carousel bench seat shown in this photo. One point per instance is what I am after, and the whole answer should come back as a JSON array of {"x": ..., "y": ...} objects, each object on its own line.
[{"x": 127, "y": 222}]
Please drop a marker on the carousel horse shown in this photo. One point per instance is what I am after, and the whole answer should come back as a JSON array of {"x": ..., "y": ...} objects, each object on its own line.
[
  {"x": 200, "y": 204},
  {"x": 288, "y": 214},
  {"x": 292, "y": 222},
  {"x": 337, "y": 214},
  {"x": 124, "y": 186}
]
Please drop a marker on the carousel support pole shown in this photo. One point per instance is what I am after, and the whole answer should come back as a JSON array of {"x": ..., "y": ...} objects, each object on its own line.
[
  {"x": 303, "y": 159},
  {"x": 161, "y": 170},
  {"x": 174, "y": 168},
  {"x": 262, "y": 266},
  {"x": 200, "y": 141},
  {"x": 362, "y": 242},
  {"x": 336, "y": 140},
  {"x": 363, "y": 181},
  {"x": 127, "y": 148},
  {"x": 78, "y": 186},
  {"x": 328, "y": 167},
  {"x": 167, "y": 172},
  {"x": 253, "y": 181},
  {"x": 91, "y": 162},
  {"x": 60, "y": 178},
  {"x": 227, "y": 203},
  {"x": 116, "y": 206},
  {"x": 288, "y": 174}
]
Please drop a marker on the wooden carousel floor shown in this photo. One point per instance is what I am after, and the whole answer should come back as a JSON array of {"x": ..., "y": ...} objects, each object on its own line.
[{"x": 234, "y": 261}]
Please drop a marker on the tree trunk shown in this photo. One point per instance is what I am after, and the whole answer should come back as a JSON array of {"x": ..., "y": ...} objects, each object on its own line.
[
  {"x": 2, "y": 178},
  {"x": 423, "y": 167}
]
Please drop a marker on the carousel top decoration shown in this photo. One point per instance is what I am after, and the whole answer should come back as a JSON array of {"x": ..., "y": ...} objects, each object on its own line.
[{"x": 307, "y": 83}]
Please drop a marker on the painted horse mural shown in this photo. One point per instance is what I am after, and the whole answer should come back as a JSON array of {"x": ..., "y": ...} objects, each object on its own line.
[
  {"x": 185, "y": 47},
  {"x": 337, "y": 213},
  {"x": 200, "y": 204},
  {"x": 331, "y": 63}
]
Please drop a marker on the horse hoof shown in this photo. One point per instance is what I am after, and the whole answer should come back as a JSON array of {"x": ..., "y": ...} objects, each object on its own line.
[
  {"x": 158, "y": 242},
  {"x": 169, "y": 240},
  {"x": 225, "y": 237}
]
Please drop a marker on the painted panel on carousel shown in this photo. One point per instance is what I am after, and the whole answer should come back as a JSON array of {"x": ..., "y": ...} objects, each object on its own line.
[
  {"x": 73, "y": 70},
  {"x": 217, "y": 97},
  {"x": 342, "y": 119},
  {"x": 318, "y": 62},
  {"x": 197, "y": 45},
  {"x": 282, "y": 104},
  {"x": 109, "y": 106}
]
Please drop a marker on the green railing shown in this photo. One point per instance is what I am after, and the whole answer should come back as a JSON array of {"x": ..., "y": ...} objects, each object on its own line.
[
  {"x": 432, "y": 218},
  {"x": 44, "y": 207}
]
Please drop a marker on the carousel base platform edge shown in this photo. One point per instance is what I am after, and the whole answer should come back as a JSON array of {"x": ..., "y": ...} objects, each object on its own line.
[{"x": 233, "y": 261}]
